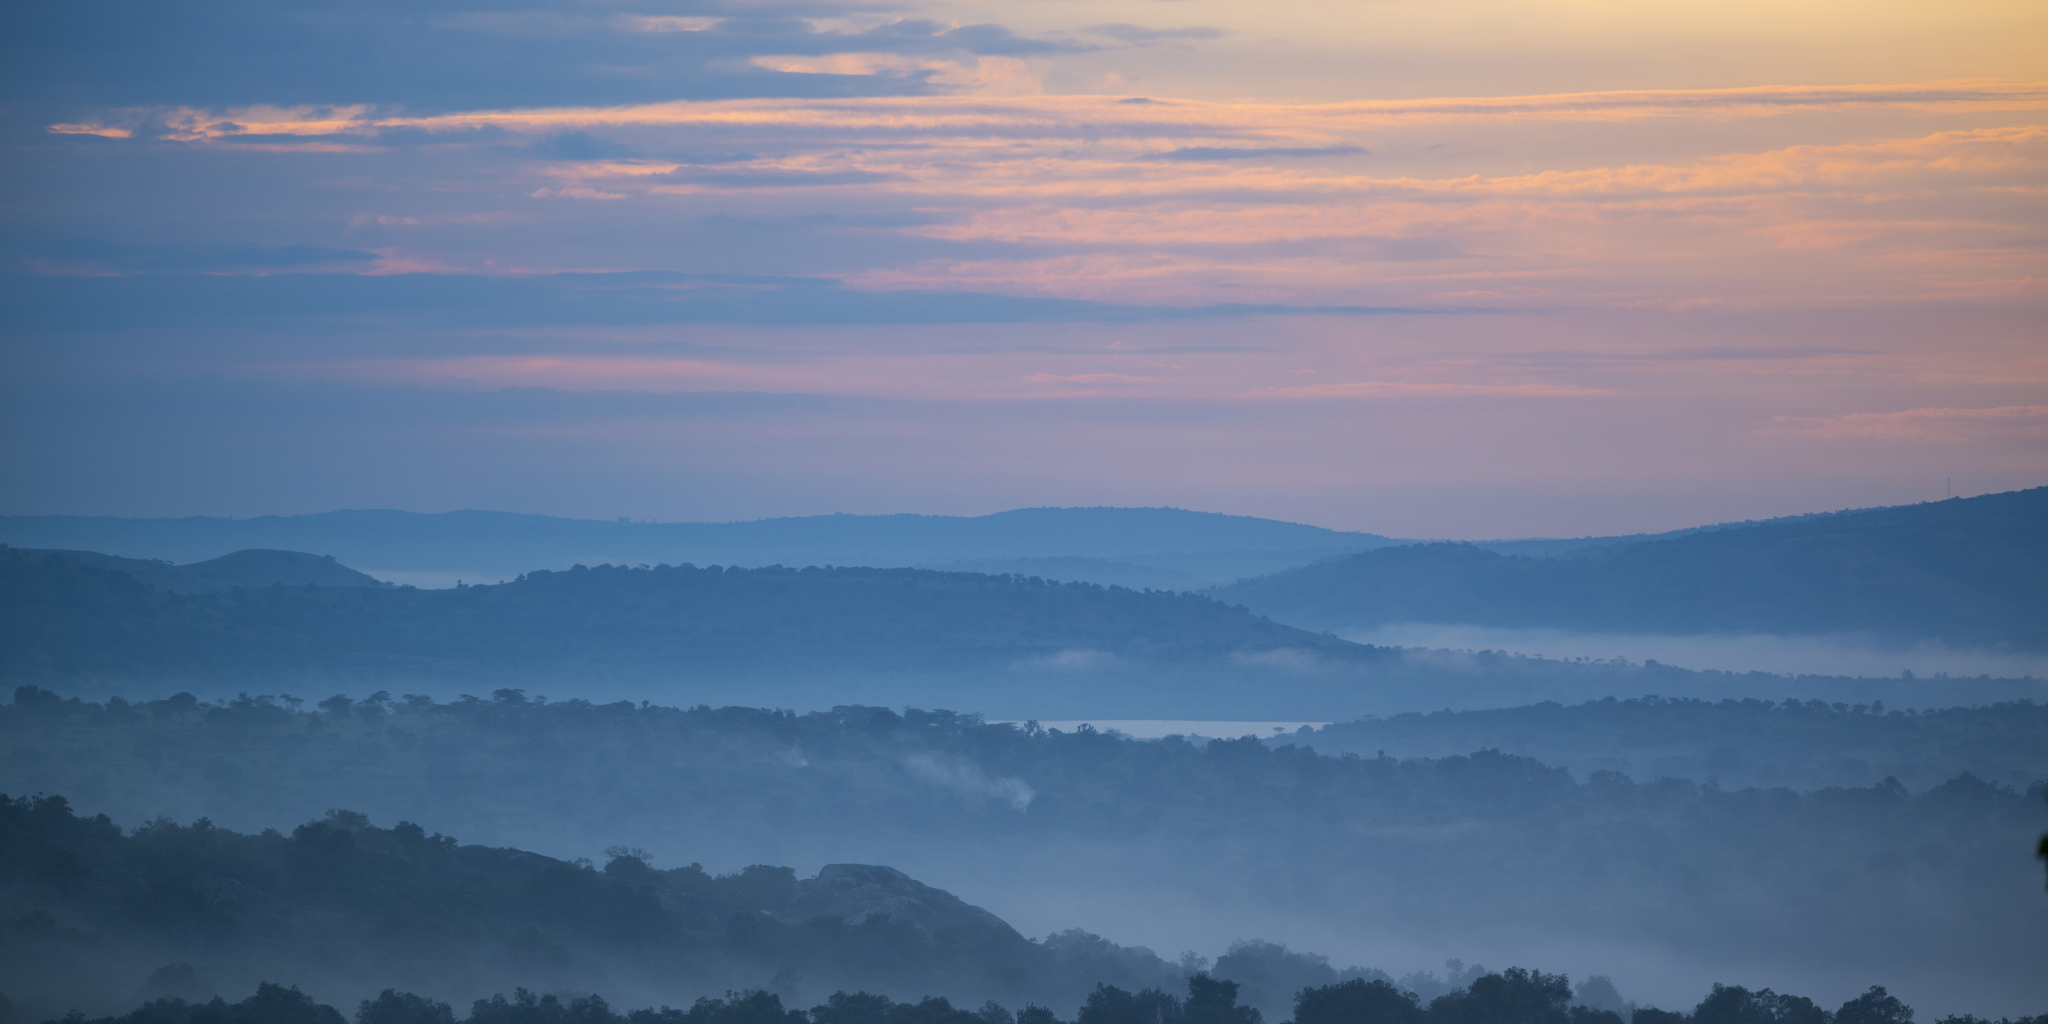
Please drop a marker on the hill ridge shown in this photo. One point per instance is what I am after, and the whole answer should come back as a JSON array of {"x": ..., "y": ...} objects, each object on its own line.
[{"x": 1971, "y": 570}]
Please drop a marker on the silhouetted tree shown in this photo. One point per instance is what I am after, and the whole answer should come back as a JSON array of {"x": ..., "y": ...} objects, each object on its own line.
[
  {"x": 1874, "y": 1007},
  {"x": 1213, "y": 1001},
  {"x": 1514, "y": 996},
  {"x": 1111, "y": 1005},
  {"x": 1652, "y": 1015},
  {"x": 1733, "y": 1004},
  {"x": 1356, "y": 1002},
  {"x": 391, "y": 1007}
]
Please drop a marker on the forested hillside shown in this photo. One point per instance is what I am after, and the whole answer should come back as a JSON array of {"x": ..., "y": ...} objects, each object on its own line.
[
  {"x": 1965, "y": 570},
  {"x": 1736, "y": 743},
  {"x": 63, "y": 619},
  {"x": 1012, "y": 646},
  {"x": 1932, "y": 889},
  {"x": 342, "y": 905},
  {"x": 251, "y": 568}
]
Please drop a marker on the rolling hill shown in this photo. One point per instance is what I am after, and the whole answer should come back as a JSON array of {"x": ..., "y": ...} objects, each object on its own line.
[
  {"x": 251, "y": 568},
  {"x": 64, "y": 618},
  {"x": 1966, "y": 570}
]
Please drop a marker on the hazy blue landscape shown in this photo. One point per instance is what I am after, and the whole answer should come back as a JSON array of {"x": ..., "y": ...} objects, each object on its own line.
[
  {"x": 1636, "y": 820},
  {"x": 945, "y": 512}
]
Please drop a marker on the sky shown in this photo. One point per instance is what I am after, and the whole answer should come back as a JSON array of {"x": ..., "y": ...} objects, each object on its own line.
[{"x": 1462, "y": 268}]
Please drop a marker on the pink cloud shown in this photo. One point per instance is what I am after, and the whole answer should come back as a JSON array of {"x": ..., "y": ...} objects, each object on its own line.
[{"x": 1929, "y": 424}]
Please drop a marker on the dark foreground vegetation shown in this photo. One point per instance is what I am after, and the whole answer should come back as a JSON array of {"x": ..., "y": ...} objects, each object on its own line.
[
  {"x": 341, "y": 903},
  {"x": 1967, "y": 570},
  {"x": 1803, "y": 744},
  {"x": 1933, "y": 889},
  {"x": 1514, "y": 996}
]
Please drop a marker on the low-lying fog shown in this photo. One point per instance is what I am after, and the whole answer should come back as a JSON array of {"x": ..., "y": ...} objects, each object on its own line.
[
  {"x": 1160, "y": 728},
  {"x": 1831, "y": 655}
]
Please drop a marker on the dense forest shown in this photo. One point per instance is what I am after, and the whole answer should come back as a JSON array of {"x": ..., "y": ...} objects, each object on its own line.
[
  {"x": 1917, "y": 886},
  {"x": 1736, "y": 743},
  {"x": 255, "y": 567},
  {"x": 340, "y": 902},
  {"x": 1968, "y": 570}
]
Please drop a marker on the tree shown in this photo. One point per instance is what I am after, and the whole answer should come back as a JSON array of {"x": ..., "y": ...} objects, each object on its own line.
[
  {"x": 392, "y": 1007},
  {"x": 1733, "y": 1004},
  {"x": 1514, "y": 996},
  {"x": 1356, "y": 1002},
  {"x": 1212, "y": 1001},
  {"x": 1874, "y": 1007},
  {"x": 1111, "y": 1005}
]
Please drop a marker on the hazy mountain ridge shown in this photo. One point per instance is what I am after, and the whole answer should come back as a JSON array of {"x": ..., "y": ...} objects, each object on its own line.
[
  {"x": 507, "y": 544},
  {"x": 811, "y": 638},
  {"x": 249, "y": 568},
  {"x": 1559, "y": 547},
  {"x": 66, "y": 617},
  {"x": 1165, "y": 548},
  {"x": 1965, "y": 570}
]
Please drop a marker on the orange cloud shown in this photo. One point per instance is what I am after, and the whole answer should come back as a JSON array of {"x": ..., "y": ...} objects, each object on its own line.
[
  {"x": 1071, "y": 183},
  {"x": 1053, "y": 115}
]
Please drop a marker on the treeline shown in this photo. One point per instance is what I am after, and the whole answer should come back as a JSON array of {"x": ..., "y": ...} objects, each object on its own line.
[
  {"x": 63, "y": 619},
  {"x": 1966, "y": 570},
  {"x": 1514, "y": 996},
  {"x": 1804, "y": 744},
  {"x": 1933, "y": 884}
]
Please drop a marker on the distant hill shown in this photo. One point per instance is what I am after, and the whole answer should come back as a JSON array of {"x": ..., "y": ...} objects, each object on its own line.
[
  {"x": 1088, "y": 570},
  {"x": 252, "y": 568},
  {"x": 491, "y": 545},
  {"x": 1969, "y": 570},
  {"x": 1561, "y": 547},
  {"x": 1018, "y": 647},
  {"x": 1762, "y": 743},
  {"x": 61, "y": 617}
]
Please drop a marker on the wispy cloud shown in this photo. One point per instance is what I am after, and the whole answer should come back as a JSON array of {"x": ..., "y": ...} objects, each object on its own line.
[
  {"x": 931, "y": 117},
  {"x": 1414, "y": 389},
  {"x": 1255, "y": 152},
  {"x": 1095, "y": 197},
  {"x": 1929, "y": 424},
  {"x": 1139, "y": 35}
]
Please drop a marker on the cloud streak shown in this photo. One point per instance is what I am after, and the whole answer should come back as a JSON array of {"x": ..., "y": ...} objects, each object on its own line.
[
  {"x": 1013, "y": 116},
  {"x": 1191, "y": 202},
  {"x": 1930, "y": 424}
]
